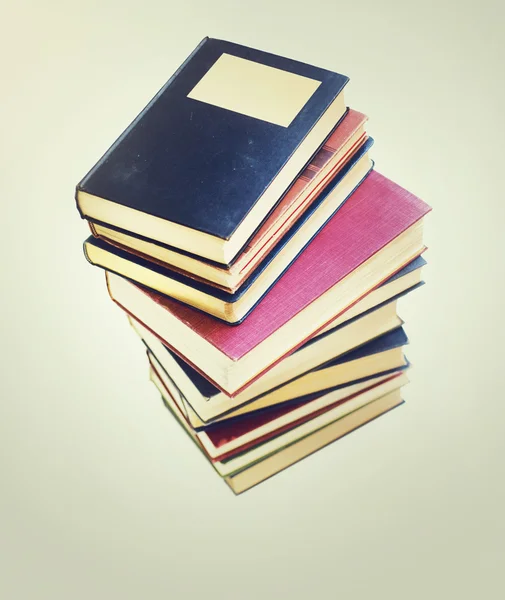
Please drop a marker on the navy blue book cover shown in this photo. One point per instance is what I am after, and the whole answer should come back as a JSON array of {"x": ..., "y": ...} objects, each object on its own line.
[
  {"x": 190, "y": 161},
  {"x": 220, "y": 294}
]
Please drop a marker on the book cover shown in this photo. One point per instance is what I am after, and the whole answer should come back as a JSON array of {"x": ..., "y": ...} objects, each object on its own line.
[{"x": 214, "y": 137}]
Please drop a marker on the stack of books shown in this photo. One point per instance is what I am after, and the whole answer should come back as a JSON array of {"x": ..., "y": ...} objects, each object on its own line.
[{"x": 259, "y": 256}]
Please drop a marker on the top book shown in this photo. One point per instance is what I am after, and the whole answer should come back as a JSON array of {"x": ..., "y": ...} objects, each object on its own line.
[{"x": 209, "y": 157}]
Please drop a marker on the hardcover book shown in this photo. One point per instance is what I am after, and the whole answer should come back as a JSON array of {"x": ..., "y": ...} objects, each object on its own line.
[
  {"x": 238, "y": 461},
  {"x": 202, "y": 408},
  {"x": 255, "y": 473},
  {"x": 215, "y": 150},
  {"x": 337, "y": 151},
  {"x": 206, "y": 403},
  {"x": 228, "y": 307},
  {"x": 377, "y": 358},
  {"x": 234, "y": 436},
  {"x": 376, "y": 233}
]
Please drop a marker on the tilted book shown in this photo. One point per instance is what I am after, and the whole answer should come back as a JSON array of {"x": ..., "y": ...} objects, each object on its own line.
[
  {"x": 344, "y": 142},
  {"x": 229, "y": 438},
  {"x": 253, "y": 474},
  {"x": 376, "y": 358},
  {"x": 233, "y": 308},
  {"x": 215, "y": 150},
  {"x": 236, "y": 463},
  {"x": 318, "y": 351},
  {"x": 376, "y": 233}
]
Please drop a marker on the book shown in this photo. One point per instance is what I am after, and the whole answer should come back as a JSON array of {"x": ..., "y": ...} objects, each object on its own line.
[
  {"x": 337, "y": 374},
  {"x": 339, "y": 365},
  {"x": 258, "y": 472},
  {"x": 214, "y": 151},
  {"x": 376, "y": 233},
  {"x": 200, "y": 394},
  {"x": 402, "y": 282},
  {"x": 381, "y": 356},
  {"x": 233, "y": 436},
  {"x": 203, "y": 408},
  {"x": 344, "y": 142},
  {"x": 233, "y": 308},
  {"x": 237, "y": 462}
]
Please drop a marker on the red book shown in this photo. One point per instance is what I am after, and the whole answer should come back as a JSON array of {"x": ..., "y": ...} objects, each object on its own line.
[
  {"x": 376, "y": 232},
  {"x": 234, "y": 436},
  {"x": 227, "y": 439}
]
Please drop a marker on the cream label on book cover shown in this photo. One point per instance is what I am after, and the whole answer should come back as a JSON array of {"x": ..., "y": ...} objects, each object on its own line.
[{"x": 254, "y": 89}]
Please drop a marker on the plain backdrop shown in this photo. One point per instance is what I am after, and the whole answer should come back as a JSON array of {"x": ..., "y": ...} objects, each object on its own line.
[{"x": 102, "y": 495}]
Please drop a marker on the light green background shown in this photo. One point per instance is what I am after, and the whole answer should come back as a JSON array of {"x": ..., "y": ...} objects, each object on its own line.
[{"x": 102, "y": 496}]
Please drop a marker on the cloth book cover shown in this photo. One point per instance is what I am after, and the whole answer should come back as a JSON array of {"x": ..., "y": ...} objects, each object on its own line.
[{"x": 214, "y": 138}]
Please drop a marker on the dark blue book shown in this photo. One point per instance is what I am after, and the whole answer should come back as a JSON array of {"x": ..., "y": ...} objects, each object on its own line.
[
  {"x": 379, "y": 358},
  {"x": 214, "y": 151},
  {"x": 233, "y": 308}
]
